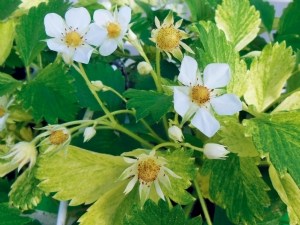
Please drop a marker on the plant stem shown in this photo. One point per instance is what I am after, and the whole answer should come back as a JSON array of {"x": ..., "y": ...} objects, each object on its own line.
[
  {"x": 202, "y": 202},
  {"x": 82, "y": 72},
  {"x": 165, "y": 144},
  {"x": 28, "y": 74},
  {"x": 157, "y": 64},
  {"x": 116, "y": 93},
  {"x": 62, "y": 213},
  {"x": 152, "y": 132}
]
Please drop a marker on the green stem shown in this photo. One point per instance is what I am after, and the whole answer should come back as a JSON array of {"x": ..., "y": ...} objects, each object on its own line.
[
  {"x": 28, "y": 74},
  {"x": 132, "y": 135},
  {"x": 157, "y": 64},
  {"x": 85, "y": 77},
  {"x": 106, "y": 88},
  {"x": 165, "y": 144},
  {"x": 152, "y": 132},
  {"x": 202, "y": 203}
]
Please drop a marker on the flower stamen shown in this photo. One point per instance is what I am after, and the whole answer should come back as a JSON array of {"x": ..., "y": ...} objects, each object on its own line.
[
  {"x": 200, "y": 94},
  {"x": 58, "y": 137},
  {"x": 113, "y": 30},
  {"x": 168, "y": 38},
  {"x": 148, "y": 170},
  {"x": 73, "y": 39}
]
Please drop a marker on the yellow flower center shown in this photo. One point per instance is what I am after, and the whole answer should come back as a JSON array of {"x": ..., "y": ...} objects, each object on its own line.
[
  {"x": 113, "y": 30},
  {"x": 148, "y": 170},
  {"x": 168, "y": 38},
  {"x": 58, "y": 137},
  {"x": 73, "y": 39},
  {"x": 200, "y": 94},
  {"x": 2, "y": 112}
]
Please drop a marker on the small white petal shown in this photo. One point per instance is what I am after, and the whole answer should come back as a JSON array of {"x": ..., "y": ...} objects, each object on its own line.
[
  {"x": 144, "y": 191},
  {"x": 89, "y": 133},
  {"x": 129, "y": 160},
  {"x": 158, "y": 190},
  {"x": 95, "y": 35},
  {"x": 188, "y": 71},
  {"x": 216, "y": 75},
  {"x": 102, "y": 17},
  {"x": 205, "y": 122},
  {"x": 83, "y": 54},
  {"x": 182, "y": 100},
  {"x": 171, "y": 173},
  {"x": 78, "y": 18},
  {"x": 67, "y": 55},
  {"x": 227, "y": 104},
  {"x": 124, "y": 16},
  {"x": 108, "y": 47},
  {"x": 130, "y": 185},
  {"x": 56, "y": 44},
  {"x": 3, "y": 122},
  {"x": 54, "y": 25}
]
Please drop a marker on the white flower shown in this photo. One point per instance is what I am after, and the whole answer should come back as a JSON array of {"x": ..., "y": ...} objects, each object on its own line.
[
  {"x": 89, "y": 133},
  {"x": 168, "y": 37},
  {"x": 149, "y": 170},
  {"x": 73, "y": 36},
  {"x": 215, "y": 151},
  {"x": 201, "y": 96},
  {"x": 144, "y": 68},
  {"x": 113, "y": 28},
  {"x": 57, "y": 138},
  {"x": 175, "y": 133},
  {"x": 5, "y": 102},
  {"x": 21, "y": 154}
]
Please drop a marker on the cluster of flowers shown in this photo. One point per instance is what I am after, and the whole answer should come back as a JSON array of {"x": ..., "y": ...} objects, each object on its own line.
[{"x": 200, "y": 96}]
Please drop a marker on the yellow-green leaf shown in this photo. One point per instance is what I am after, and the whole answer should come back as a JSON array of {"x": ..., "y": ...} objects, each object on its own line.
[
  {"x": 7, "y": 31},
  {"x": 268, "y": 74},
  {"x": 239, "y": 20},
  {"x": 290, "y": 103},
  {"x": 289, "y": 193}
]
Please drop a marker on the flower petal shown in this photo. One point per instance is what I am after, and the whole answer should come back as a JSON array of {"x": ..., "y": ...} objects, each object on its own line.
[
  {"x": 188, "y": 71},
  {"x": 205, "y": 122},
  {"x": 130, "y": 185},
  {"x": 158, "y": 190},
  {"x": 182, "y": 101},
  {"x": 68, "y": 54},
  {"x": 215, "y": 151},
  {"x": 108, "y": 47},
  {"x": 144, "y": 191},
  {"x": 227, "y": 104},
  {"x": 83, "y": 53},
  {"x": 56, "y": 44},
  {"x": 216, "y": 75},
  {"x": 95, "y": 35},
  {"x": 78, "y": 18},
  {"x": 102, "y": 17},
  {"x": 54, "y": 25},
  {"x": 124, "y": 16}
]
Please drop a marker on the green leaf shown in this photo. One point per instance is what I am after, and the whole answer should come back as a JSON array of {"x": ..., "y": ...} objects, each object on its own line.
[
  {"x": 109, "y": 77},
  {"x": 268, "y": 75},
  {"x": 148, "y": 103},
  {"x": 7, "y": 28},
  {"x": 235, "y": 184},
  {"x": 181, "y": 163},
  {"x": 4, "y": 189},
  {"x": 293, "y": 82},
  {"x": 7, "y": 7},
  {"x": 96, "y": 173},
  {"x": 24, "y": 192},
  {"x": 216, "y": 49},
  {"x": 289, "y": 193},
  {"x": 292, "y": 102},
  {"x": 278, "y": 136},
  {"x": 233, "y": 136},
  {"x": 239, "y": 21},
  {"x": 111, "y": 207},
  {"x": 290, "y": 20},
  {"x": 11, "y": 216},
  {"x": 267, "y": 12},
  {"x": 50, "y": 95},
  {"x": 200, "y": 10},
  {"x": 159, "y": 215},
  {"x": 30, "y": 33},
  {"x": 8, "y": 84}
]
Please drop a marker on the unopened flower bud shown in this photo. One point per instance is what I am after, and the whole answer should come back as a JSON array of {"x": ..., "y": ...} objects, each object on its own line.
[
  {"x": 144, "y": 68},
  {"x": 97, "y": 84},
  {"x": 131, "y": 36},
  {"x": 175, "y": 133},
  {"x": 89, "y": 133},
  {"x": 215, "y": 151}
]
